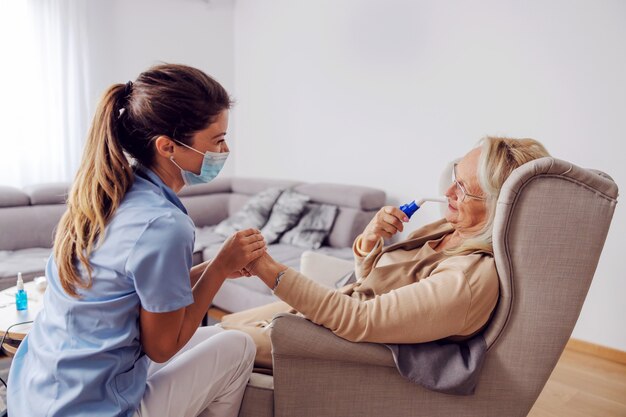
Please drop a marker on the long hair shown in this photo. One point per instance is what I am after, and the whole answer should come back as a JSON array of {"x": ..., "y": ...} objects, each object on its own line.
[
  {"x": 498, "y": 158},
  {"x": 171, "y": 100}
]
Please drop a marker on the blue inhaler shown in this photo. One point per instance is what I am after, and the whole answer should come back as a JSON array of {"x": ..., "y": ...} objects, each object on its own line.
[{"x": 410, "y": 208}]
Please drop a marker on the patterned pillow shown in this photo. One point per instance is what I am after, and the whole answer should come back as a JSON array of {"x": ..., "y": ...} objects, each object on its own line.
[
  {"x": 313, "y": 227},
  {"x": 253, "y": 214},
  {"x": 285, "y": 214}
]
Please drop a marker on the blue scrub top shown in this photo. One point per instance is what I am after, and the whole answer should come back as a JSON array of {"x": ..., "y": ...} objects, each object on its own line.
[{"x": 83, "y": 356}]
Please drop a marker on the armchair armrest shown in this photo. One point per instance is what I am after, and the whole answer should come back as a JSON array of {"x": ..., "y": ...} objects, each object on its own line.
[
  {"x": 295, "y": 336},
  {"x": 318, "y": 374}
]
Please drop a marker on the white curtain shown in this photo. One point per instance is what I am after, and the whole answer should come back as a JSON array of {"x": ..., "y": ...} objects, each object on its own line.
[{"x": 44, "y": 97}]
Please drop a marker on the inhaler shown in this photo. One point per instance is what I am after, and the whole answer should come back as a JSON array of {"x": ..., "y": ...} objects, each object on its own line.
[{"x": 412, "y": 207}]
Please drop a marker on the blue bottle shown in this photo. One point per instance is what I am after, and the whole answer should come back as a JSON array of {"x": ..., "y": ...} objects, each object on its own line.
[{"x": 21, "y": 299}]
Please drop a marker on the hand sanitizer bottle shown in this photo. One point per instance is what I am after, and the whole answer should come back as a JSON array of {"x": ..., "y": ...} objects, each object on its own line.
[{"x": 21, "y": 300}]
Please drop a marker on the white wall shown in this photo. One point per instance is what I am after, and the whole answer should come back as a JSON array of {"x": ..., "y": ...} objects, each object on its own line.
[
  {"x": 128, "y": 37},
  {"x": 385, "y": 92}
]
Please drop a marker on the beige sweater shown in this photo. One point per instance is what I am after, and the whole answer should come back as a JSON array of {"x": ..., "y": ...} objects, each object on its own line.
[{"x": 405, "y": 293}]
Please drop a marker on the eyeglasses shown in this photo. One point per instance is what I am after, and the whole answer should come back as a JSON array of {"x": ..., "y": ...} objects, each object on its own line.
[{"x": 461, "y": 192}]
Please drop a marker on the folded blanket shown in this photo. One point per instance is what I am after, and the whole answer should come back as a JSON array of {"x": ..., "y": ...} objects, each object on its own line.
[{"x": 442, "y": 366}]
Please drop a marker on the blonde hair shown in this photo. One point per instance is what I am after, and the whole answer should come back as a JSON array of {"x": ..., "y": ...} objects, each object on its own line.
[
  {"x": 498, "y": 158},
  {"x": 102, "y": 180},
  {"x": 170, "y": 100}
]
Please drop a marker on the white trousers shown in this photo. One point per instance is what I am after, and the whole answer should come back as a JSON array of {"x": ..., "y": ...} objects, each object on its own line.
[{"x": 205, "y": 378}]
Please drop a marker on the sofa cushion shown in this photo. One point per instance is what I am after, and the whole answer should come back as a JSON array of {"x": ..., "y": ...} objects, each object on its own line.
[
  {"x": 358, "y": 197},
  {"x": 29, "y": 226},
  {"x": 348, "y": 225},
  {"x": 285, "y": 214},
  {"x": 251, "y": 186},
  {"x": 253, "y": 214},
  {"x": 207, "y": 237},
  {"x": 329, "y": 271},
  {"x": 217, "y": 185},
  {"x": 313, "y": 227},
  {"x": 208, "y": 209},
  {"x": 12, "y": 197},
  {"x": 52, "y": 193},
  {"x": 30, "y": 262},
  {"x": 341, "y": 253}
]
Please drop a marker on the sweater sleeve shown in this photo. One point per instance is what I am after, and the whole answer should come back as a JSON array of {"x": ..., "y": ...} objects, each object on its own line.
[
  {"x": 427, "y": 310},
  {"x": 364, "y": 261}
]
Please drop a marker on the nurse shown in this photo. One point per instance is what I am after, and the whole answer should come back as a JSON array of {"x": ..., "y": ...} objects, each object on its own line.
[{"x": 119, "y": 334}]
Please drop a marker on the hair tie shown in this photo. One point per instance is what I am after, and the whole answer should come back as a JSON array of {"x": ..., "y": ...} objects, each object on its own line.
[{"x": 128, "y": 88}]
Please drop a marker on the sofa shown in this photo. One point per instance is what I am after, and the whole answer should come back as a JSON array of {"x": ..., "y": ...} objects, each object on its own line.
[{"x": 29, "y": 216}]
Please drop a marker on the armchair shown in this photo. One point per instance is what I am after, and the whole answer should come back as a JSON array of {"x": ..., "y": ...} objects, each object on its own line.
[{"x": 551, "y": 222}]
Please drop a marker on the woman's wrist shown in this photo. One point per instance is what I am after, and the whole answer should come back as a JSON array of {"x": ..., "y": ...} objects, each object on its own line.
[
  {"x": 270, "y": 274},
  {"x": 267, "y": 269},
  {"x": 365, "y": 245}
]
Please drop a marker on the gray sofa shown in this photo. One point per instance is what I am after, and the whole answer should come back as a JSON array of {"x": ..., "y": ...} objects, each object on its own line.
[{"x": 28, "y": 217}]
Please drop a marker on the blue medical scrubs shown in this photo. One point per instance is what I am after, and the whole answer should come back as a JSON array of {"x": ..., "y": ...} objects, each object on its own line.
[{"x": 83, "y": 355}]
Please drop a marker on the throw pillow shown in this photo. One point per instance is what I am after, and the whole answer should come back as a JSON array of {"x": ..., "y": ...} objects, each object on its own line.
[
  {"x": 285, "y": 214},
  {"x": 313, "y": 227},
  {"x": 253, "y": 214}
]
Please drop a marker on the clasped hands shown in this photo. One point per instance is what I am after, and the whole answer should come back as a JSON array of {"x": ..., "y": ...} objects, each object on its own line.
[{"x": 245, "y": 254}]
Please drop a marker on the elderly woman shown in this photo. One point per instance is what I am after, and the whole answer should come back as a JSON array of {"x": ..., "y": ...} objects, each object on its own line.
[{"x": 439, "y": 283}]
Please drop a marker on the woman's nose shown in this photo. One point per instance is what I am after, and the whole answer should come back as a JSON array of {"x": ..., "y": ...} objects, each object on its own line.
[
  {"x": 225, "y": 147},
  {"x": 451, "y": 192}
]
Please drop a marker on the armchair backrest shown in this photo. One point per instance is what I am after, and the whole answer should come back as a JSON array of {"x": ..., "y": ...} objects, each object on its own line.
[{"x": 551, "y": 222}]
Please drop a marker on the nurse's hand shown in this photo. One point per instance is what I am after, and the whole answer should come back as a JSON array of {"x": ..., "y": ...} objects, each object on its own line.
[
  {"x": 238, "y": 274},
  {"x": 238, "y": 251}
]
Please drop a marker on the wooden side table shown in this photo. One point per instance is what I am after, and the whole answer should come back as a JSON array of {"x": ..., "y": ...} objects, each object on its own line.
[{"x": 9, "y": 315}]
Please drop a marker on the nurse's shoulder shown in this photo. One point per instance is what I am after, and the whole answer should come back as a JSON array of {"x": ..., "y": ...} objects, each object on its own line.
[{"x": 149, "y": 205}]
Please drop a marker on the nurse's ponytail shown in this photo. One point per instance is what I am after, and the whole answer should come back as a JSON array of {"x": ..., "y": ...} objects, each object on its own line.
[
  {"x": 170, "y": 100},
  {"x": 101, "y": 182}
]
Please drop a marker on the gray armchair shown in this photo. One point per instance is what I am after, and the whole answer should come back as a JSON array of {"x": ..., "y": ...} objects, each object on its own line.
[{"x": 551, "y": 223}]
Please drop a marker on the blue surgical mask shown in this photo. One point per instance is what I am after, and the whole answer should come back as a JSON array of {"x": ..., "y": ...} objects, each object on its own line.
[{"x": 212, "y": 164}]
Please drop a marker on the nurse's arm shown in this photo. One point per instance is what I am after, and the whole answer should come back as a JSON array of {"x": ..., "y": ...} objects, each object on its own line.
[
  {"x": 164, "y": 334},
  {"x": 196, "y": 272}
]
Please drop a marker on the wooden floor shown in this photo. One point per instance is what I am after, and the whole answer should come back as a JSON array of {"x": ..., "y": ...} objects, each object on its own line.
[{"x": 582, "y": 384}]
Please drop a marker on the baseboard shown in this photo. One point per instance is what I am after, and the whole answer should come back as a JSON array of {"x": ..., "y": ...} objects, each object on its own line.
[{"x": 599, "y": 351}]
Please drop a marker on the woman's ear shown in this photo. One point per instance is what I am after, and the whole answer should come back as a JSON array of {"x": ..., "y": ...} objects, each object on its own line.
[{"x": 164, "y": 146}]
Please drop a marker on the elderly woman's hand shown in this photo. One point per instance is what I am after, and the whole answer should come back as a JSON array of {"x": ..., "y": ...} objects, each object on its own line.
[{"x": 386, "y": 223}]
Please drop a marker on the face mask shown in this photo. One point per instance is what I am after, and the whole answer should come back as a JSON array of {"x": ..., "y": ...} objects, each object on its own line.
[{"x": 212, "y": 164}]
